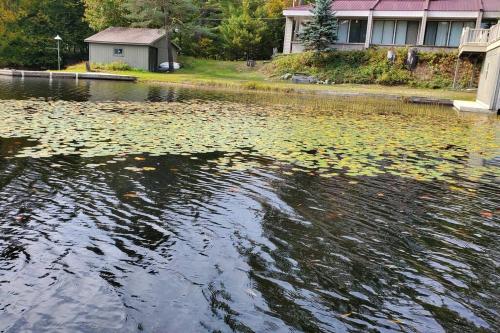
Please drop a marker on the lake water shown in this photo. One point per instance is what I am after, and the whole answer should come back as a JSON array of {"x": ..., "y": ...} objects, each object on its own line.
[{"x": 178, "y": 210}]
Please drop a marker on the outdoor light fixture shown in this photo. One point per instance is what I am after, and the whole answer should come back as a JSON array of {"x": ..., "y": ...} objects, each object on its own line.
[{"x": 58, "y": 39}]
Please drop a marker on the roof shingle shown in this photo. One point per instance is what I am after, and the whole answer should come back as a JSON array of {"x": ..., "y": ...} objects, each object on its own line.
[{"x": 135, "y": 36}]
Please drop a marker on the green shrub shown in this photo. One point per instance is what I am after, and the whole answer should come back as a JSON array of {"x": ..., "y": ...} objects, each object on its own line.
[
  {"x": 114, "y": 66},
  {"x": 435, "y": 69},
  {"x": 394, "y": 76}
]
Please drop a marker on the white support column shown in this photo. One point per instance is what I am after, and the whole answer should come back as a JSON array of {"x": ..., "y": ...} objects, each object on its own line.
[
  {"x": 423, "y": 25},
  {"x": 369, "y": 28},
  {"x": 287, "y": 43},
  {"x": 479, "y": 19}
]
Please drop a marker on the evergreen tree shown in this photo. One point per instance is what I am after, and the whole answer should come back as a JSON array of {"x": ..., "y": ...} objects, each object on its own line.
[
  {"x": 321, "y": 31},
  {"x": 242, "y": 33}
]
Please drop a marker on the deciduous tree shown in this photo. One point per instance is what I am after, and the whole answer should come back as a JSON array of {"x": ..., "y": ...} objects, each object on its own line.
[{"x": 102, "y": 14}]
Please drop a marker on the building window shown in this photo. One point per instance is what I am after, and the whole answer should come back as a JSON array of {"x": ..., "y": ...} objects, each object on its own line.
[
  {"x": 351, "y": 31},
  {"x": 486, "y": 24},
  {"x": 357, "y": 31},
  {"x": 343, "y": 31},
  {"x": 445, "y": 33},
  {"x": 118, "y": 52},
  {"x": 395, "y": 32}
]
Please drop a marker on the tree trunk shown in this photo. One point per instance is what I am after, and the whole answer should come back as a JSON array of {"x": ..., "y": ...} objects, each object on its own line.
[{"x": 170, "y": 55}]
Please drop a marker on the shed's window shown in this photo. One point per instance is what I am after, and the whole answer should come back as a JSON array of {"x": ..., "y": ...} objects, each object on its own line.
[{"x": 118, "y": 52}]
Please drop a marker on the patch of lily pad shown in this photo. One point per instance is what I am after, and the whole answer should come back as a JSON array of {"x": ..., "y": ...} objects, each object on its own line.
[{"x": 369, "y": 139}]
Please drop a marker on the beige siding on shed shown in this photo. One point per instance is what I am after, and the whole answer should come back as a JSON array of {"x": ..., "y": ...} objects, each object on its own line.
[
  {"x": 163, "y": 52},
  {"x": 137, "y": 56}
]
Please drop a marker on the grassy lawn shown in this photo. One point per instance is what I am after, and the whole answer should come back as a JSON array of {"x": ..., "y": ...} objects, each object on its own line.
[{"x": 235, "y": 75}]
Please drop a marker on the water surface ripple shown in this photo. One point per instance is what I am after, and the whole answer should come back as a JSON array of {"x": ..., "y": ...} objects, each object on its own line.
[{"x": 174, "y": 243}]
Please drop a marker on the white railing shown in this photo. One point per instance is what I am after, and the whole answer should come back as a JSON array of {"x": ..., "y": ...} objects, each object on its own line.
[
  {"x": 494, "y": 34},
  {"x": 480, "y": 37},
  {"x": 475, "y": 36}
]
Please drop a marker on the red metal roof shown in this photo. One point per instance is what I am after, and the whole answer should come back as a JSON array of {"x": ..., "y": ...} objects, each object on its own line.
[
  {"x": 353, "y": 4},
  {"x": 455, "y": 5},
  {"x": 407, "y": 5},
  {"x": 411, "y": 5},
  {"x": 491, "y": 5}
]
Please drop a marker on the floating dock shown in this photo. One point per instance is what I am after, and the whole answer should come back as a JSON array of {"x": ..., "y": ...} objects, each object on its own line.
[{"x": 66, "y": 75}]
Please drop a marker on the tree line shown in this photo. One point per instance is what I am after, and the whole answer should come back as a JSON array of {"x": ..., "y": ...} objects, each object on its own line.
[{"x": 217, "y": 29}]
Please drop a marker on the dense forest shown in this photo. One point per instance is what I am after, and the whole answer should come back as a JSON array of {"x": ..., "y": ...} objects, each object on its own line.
[{"x": 217, "y": 29}]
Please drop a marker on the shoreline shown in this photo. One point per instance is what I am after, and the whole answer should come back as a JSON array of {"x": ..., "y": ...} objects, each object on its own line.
[
  {"x": 235, "y": 76},
  {"x": 415, "y": 99}
]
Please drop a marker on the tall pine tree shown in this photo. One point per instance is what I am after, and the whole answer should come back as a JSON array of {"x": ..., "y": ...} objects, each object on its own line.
[{"x": 321, "y": 31}]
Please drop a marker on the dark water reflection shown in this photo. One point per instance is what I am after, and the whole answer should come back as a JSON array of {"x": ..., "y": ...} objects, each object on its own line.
[
  {"x": 186, "y": 248},
  {"x": 87, "y": 90}
]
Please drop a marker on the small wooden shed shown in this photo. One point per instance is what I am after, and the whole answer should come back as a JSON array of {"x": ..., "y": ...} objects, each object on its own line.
[{"x": 140, "y": 48}]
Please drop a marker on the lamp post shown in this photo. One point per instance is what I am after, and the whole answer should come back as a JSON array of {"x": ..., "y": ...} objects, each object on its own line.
[{"x": 58, "y": 39}]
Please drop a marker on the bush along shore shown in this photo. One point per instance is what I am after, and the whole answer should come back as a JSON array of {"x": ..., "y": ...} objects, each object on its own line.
[{"x": 434, "y": 69}]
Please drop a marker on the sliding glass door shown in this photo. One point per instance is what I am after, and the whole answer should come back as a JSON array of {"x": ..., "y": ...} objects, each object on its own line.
[
  {"x": 395, "y": 32},
  {"x": 445, "y": 33},
  {"x": 351, "y": 31}
]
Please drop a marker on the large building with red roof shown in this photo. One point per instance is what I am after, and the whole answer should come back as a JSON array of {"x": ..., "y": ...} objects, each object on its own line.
[{"x": 428, "y": 24}]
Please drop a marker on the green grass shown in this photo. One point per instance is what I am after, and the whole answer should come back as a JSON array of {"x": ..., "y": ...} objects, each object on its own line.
[{"x": 235, "y": 75}]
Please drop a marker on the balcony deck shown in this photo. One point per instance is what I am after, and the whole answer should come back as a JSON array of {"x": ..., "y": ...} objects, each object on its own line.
[{"x": 479, "y": 40}]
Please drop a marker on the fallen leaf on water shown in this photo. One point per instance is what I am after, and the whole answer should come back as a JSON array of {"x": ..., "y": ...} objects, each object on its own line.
[
  {"x": 457, "y": 189},
  {"x": 380, "y": 194},
  {"x": 149, "y": 168},
  {"x": 139, "y": 158},
  {"x": 134, "y": 169},
  {"x": 346, "y": 315},
  {"x": 130, "y": 195},
  {"x": 486, "y": 214}
]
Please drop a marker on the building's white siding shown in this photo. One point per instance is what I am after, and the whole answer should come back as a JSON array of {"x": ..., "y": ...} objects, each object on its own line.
[
  {"x": 137, "y": 56},
  {"x": 287, "y": 46},
  {"x": 295, "y": 19},
  {"x": 489, "y": 82}
]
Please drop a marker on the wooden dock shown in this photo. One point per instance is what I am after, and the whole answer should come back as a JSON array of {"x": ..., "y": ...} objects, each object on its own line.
[{"x": 66, "y": 75}]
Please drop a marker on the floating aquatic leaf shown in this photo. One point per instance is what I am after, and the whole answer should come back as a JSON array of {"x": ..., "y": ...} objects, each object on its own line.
[
  {"x": 381, "y": 138},
  {"x": 487, "y": 214},
  {"x": 134, "y": 169},
  {"x": 130, "y": 195}
]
